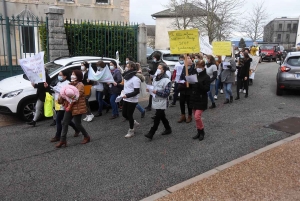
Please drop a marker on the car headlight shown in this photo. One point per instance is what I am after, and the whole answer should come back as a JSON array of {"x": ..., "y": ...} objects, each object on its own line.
[{"x": 12, "y": 93}]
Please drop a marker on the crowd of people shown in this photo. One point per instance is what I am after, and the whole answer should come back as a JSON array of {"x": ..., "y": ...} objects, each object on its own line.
[{"x": 214, "y": 75}]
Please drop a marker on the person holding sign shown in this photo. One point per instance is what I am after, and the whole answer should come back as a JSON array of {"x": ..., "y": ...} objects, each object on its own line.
[
  {"x": 42, "y": 88},
  {"x": 162, "y": 88},
  {"x": 199, "y": 97},
  {"x": 228, "y": 77}
]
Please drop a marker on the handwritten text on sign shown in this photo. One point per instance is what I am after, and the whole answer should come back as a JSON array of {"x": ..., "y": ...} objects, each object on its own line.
[
  {"x": 34, "y": 68},
  {"x": 184, "y": 41},
  {"x": 222, "y": 48}
]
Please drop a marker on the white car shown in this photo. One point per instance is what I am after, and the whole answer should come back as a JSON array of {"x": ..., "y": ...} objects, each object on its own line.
[
  {"x": 167, "y": 57},
  {"x": 18, "y": 97}
]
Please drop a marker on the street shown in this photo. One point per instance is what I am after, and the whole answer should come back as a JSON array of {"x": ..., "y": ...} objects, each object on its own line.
[{"x": 114, "y": 168}]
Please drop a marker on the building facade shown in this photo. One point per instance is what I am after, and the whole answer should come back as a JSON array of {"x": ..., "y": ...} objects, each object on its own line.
[{"x": 282, "y": 30}]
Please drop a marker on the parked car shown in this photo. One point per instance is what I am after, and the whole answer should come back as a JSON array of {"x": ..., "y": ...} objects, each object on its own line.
[
  {"x": 17, "y": 96},
  {"x": 288, "y": 76},
  {"x": 149, "y": 51},
  {"x": 167, "y": 57},
  {"x": 271, "y": 52}
]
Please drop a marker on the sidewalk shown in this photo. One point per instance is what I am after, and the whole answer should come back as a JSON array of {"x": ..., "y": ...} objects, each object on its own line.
[{"x": 271, "y": 173}]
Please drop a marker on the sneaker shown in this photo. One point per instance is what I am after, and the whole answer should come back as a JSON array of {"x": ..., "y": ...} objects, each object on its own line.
[
  {"x": 130, "y": 133},
  {"x": 240, "y": 90},
  {"x": 87, "y": 116},
  {"x": 216, "y": 97},
  {"x": 244, "y": 91},
  {"x": 221, "y": 91},
  {"x": 90, "y": 118},
  {"x": 136, "y": 124}
]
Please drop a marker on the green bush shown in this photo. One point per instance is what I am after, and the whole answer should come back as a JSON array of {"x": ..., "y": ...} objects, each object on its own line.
[{"x": 43, "y": 39}]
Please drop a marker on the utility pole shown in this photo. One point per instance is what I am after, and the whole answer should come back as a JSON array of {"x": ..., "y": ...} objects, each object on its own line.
[{"x": 8, "y": 43}]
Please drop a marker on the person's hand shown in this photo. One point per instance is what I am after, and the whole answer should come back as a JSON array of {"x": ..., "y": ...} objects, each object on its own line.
[
  {"x": 88, "y": 80},
  {"x": 147, "y": 90},
  {"x": 115, "y": 84},
  {"x": 46, "y": 84},
  {"x": 246, "y": 78},
  {"x": 124, "y": 96},
  {"x": 154, "y": 91},
  {"x": 108, "y": 83},
  {"x": 32, "y": 84}
]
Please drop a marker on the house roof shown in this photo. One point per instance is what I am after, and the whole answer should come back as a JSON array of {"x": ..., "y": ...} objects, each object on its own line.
[
  {"x": 26, "y": 13},
  {"x": 192, "y": 9},
  {"x": 150, "y": 30}
]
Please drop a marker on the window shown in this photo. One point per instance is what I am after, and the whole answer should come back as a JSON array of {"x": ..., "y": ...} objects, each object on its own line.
[
  {"x": 295, "y": 27},
  {"x": 66, "y": 1},
  {"x": 280, "y": 27},
  {"x": 289, "y": 27},
  {"x": 102, "y": 1},
  {"x": 28, "y": 39},
  {"x": 278, "y": 37},
  {"x": 294, "y": 61},
  {"x": 287, "y": 37}
]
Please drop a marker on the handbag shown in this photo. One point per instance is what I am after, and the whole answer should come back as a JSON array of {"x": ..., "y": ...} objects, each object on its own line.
[{"x": 48, "y": 111}]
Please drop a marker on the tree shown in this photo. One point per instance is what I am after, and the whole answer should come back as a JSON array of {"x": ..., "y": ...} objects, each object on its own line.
[
  {"x": 242, "y": 43},
  {"x": 253, "y": 26}
]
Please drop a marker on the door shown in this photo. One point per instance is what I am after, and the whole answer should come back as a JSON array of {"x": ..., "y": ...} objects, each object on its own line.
[{"x": 29, "y": 41}]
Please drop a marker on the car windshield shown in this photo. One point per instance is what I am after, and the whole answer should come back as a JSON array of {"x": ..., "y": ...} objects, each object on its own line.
[
  {"x": 52, "y": 67},
  {"x": 149, "y": 50},
  {"x": 171, "y": 57},
  {"x": 266, "y": 47},
  {"x": 294, "y": 61}
]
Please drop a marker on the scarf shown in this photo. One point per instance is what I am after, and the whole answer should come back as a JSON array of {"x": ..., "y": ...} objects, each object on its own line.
[{"x": 129, "y": 74}]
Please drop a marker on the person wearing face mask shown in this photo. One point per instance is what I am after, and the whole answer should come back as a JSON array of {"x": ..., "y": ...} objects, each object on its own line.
[
  {"x": 162, "y": 88},
  {"x": 175, "y": 78},
  {"x": 114, "y": 90},
  {"x": 199, "y": 97},
  {"x": 185, "y": 93},
  {"x": 153, "y": 67},
  {"x": 99, "y": 86},
  {"x": 76, "y": 112},
  {"x": 219, "y": 84},
  {"x": 84, "y": 69},
  {"x": 42, "y": 88},
  {"x": 243, "y": 75},
  {"x": 212, "y": 72},
  {"x": 60, "y": 109},
  {"x": 198, "y": 57}
]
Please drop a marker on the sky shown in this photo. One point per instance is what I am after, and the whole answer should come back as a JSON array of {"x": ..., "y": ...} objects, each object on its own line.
[{"x": 141, "y": 10}]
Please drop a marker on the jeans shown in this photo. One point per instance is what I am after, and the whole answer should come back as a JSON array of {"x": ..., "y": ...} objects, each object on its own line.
[
  {"x": 227, "y": 89},
  {"x": 139, "y": 107},
  {"x": 101, "y": 102},
  {"x": 198, "y": 119},
  {"x": 217, "y": 86},
  {"x": 175, "y": 95},
  {"x": 39, "y": 107},
  {"x": 240, "y": 82},
  {"x": 65, "y": 124},
  {"x": 185, "y": 99},
  {"x": 113, "y": 104},
  {"x": 212, "y": 86},
  {"x": 160, "y": 116},
  {"x": 59, "y": 117},
  {"x": 127, "y": 112}
]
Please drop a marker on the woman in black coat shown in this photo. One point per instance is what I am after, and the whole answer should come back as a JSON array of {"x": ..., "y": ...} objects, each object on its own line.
[
  {"x": 243, "y": 75},
  {"x": 199, "y": 97}
]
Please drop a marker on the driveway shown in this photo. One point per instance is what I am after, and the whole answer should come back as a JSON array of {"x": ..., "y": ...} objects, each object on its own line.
[{"x": 114, "y": 168}]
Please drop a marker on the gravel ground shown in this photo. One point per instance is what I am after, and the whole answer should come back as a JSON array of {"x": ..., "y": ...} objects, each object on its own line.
[{"x": 114, "y": 168}]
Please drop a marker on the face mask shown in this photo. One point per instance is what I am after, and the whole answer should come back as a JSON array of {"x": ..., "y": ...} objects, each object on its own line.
[
  {"x": 60, "y": 78},
  {"x": 98, "y": 68},
  {"x": 111, "y": 67},
  {"x": 127, "y": 62},
  {"x": 196, "y": 60},
  {"x": 82, "y": 68},
  {"x": 73, "y": 78},
  {"x": 199, "y": 70},
  {"x": 181, "y": 62},
  {"x": 126, "y": 69},
  {"x": 241, "y": 56},
  {"x": 158, "y": 72},
  {"x": 154, "y": 60},
  {"x": 217, "y": 59}
]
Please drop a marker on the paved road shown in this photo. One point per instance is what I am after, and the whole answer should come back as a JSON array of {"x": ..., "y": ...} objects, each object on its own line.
[{"x": 114, "y": 168}]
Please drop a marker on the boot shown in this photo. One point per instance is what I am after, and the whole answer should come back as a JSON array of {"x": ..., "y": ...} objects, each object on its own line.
[
  {"x": 201, "y": 134},
  {"x": 130, "y": 133},
  {"x": 167, "y": 132},
  {"x": 213, "y": 105},
  {"x": 182, "y": 119},
  {"x": 61, "y": 143},
  {"x": 150, "y": 134},
  {"x": 86, "y": 140},
  {"x": 55, "y": 139},
  {"x": 226, "y": 101},
  {"x": 189, "y": 119},
  {"x": 231, "y": 99},
  {"x": 197, "y": 135}
]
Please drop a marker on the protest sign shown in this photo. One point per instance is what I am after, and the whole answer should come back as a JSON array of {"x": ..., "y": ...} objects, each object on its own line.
[
  {"x": 184, "y": 41},
  {"x": 254, "y": 63},
  {"x": 205, "y": 47},
  {"x": 34, "y": 68},
  {"x": 104, "y": 76},
  {"x": 222, "y": 48}
]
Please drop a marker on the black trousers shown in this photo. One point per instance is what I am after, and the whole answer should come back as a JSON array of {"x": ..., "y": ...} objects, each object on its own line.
[
  {"x": 241, "y": 81},
  {"x": 150, "y": 102},
  {"x": 160, "y": 116},
  {"x": 185, "y": 99},
  {"x": 127, "y": 112}
]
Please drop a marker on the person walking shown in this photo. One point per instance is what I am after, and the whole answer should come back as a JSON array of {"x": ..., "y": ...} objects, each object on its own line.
[
  {"x": 161, "y": 88},
  {"x": 76, "y": 111},
  {"x": 87, "y": 90},
  {"x": 140, "y": 75},
  {"x": 185, "y": 93},
  {"x": 199, "y": 97},
  {"x": 228, "y": 78},
  {"x": 175, "y": 78},
  {"x": 212, "y": 72},
  {"x": 245, "y": 71},
  {"x": 63, "y": 80},
  {"x": 42, "y": 88},
  {"x": 114, "y": 90}
]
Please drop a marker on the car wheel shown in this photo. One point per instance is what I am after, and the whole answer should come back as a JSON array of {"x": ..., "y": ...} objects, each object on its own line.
[
  {"x": 26, "y": 111},
  {"x": 279, "y": 92}
]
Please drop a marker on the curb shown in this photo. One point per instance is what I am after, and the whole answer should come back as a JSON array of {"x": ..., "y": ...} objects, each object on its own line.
[{"x": 218, "y": 169}]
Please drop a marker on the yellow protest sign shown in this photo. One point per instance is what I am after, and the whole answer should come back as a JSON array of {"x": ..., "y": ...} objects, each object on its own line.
[
  {"x": 184, "y": 41},
  {"x": 222, "y": 48}
]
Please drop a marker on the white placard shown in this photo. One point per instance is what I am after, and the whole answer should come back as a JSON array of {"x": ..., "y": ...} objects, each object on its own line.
[
  {"x": 151, "y": 88},
  {"x": 191, "y": 79},
  {"x": 34, "y": 68}
]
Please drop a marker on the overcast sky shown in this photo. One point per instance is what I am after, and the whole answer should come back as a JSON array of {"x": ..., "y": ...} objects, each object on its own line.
[{"x": 141, "y": 10}]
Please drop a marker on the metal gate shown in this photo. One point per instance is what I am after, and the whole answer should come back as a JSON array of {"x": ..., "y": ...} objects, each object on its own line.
[{"x": 21, "y": 38}]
